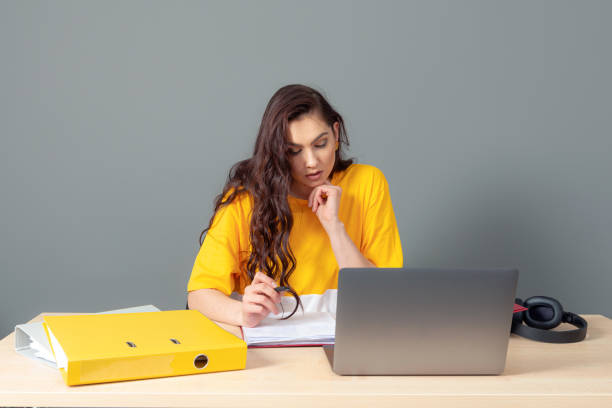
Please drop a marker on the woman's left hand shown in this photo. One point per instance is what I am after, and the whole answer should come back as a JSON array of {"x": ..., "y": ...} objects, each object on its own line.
[{"x": 325, "y": 201}]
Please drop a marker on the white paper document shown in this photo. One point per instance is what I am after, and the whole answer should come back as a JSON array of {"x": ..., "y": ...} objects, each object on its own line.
[
  {"x": 315, "y": 324},
  {"x": 31, "y": 339}
]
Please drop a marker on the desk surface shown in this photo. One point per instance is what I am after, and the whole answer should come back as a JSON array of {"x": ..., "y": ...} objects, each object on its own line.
[{"x": 536, "y": 375}]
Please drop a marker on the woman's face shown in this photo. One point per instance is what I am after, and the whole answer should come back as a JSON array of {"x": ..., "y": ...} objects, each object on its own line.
[{"x": 312, "y": 148}]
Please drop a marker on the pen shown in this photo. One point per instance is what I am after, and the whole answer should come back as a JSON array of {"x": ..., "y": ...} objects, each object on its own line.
[{"x": 280, "y": 289}]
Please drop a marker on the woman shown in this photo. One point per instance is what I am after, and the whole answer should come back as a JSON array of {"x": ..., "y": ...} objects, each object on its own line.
[{"x": 291, "y": 216}]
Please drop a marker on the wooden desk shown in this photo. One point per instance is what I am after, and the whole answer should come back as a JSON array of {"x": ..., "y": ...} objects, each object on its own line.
[{"x": 536, "y": 375}]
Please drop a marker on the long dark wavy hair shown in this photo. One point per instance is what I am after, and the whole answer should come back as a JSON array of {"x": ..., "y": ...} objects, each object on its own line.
[{"x": 267, "y": 177}]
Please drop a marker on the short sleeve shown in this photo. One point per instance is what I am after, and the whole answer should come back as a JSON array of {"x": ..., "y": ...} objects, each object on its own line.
[
  {"x": 381, "y": 243},
  {"x": 218, "y": 258}
]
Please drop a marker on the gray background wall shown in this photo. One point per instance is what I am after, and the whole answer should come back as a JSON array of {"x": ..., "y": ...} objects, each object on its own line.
[{"x": 120, "y": 120}]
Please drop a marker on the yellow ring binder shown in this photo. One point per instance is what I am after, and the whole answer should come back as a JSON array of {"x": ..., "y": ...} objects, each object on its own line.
[{"x": 94, "y": 349}]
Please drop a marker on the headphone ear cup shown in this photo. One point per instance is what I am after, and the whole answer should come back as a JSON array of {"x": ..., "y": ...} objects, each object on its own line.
[
  {"x": 543, "y": 312},
  {"x": 517, "y": 318}
]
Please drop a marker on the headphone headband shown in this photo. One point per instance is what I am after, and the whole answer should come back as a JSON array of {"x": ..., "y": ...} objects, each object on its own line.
[{"x": 539, "y": 330}]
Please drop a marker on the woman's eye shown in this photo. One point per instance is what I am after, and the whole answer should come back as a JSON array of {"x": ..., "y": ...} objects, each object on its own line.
[{"x": 294, "y": 152}]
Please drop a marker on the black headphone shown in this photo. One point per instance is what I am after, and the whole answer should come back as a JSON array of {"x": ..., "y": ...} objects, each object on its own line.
[{"x": 544, "y": 313}]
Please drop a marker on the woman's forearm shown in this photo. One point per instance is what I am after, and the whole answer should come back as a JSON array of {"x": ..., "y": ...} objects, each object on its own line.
[
  {"x": 347, "y": 254},
  {"x": 216, "y": 306}
]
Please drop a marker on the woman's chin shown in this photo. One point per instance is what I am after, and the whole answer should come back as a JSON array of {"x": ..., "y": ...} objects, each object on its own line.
[{"x": 316, "y": 183}]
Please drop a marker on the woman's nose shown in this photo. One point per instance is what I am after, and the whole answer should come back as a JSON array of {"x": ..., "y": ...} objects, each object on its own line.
[{"x": 310, "y": 158}]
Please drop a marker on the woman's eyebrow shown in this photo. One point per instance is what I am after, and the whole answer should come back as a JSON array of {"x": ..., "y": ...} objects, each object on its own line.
[{"x": 314, "y": 141}]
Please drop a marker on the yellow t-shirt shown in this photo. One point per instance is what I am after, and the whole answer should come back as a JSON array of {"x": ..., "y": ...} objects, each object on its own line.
[{"x": 365, "y": 210}]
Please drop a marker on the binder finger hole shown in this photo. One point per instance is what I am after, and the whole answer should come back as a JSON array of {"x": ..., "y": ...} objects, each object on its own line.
[
  {"x": 200, "y": 361},
  {"x": 175, "y": 341},
  {"x": 129, "y": 343}
]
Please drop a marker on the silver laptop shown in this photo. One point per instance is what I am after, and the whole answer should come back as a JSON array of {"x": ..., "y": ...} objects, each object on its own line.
[{"x": 398, "y": 321}]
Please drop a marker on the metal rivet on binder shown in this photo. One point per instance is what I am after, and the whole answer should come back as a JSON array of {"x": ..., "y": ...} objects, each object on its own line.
[
  {"x": 129, "y": 343},
  {"x": 200, "y": 361},
  {"x": 175, "y": 341}
]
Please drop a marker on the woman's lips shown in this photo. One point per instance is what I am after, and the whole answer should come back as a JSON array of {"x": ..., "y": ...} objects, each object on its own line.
[{"x": 315, "y": 176}]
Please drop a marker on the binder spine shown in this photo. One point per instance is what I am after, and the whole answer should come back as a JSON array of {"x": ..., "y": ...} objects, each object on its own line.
[{"x": 153, "y": 366}]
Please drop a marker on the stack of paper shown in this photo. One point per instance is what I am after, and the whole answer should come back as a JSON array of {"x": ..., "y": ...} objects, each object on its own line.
[
  {"x": 314, "y": 324},
  {"x": 312, "y": 328}
]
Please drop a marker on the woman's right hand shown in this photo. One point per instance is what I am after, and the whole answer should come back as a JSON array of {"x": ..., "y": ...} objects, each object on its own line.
[{"x": 259, "y": 300}]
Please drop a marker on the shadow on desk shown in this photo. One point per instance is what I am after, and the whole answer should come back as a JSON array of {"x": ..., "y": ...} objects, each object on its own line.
[{"x": 545, "y": 357}]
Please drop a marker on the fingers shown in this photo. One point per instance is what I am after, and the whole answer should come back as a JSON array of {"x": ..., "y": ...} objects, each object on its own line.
[
  {"x": 315, "y": 191},
  {"x": 316, "y": 196},
  {"x": 266, "y": 290},
  {"x": 320, "y": 194},
  {"x": 265, "y": 284},
  {"x": 261, "y": 289},
  {"x": 318, "y": 200},
  {"x": 261, "y": 277},
  {"x": 260, "y": 296}
]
